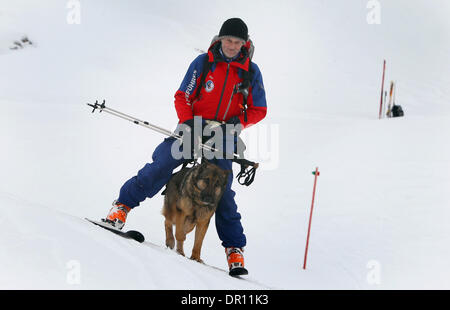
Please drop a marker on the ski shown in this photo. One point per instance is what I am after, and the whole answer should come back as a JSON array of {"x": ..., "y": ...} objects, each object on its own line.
[
  {"x": 238, "y": 271},
  {"x": 130, "y": 234},
  {"x": 137, "y": 236}
]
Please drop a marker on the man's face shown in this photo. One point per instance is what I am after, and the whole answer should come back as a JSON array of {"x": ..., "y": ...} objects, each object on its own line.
[{"x": 231, "y": 46}]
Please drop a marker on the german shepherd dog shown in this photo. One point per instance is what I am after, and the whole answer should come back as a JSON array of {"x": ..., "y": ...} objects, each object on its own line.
[{"x": 191, "y": 198}]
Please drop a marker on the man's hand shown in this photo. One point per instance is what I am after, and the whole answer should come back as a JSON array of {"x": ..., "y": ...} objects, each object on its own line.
[
  {"x": 220, "y": 136},
  {"x": 190, "y": 124},
  {"x": 231, "y": 127},
  {"x": 191, "y": 137}
]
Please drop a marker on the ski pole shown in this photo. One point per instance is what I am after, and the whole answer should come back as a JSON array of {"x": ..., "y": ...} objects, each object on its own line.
[
  {"x": 316, "y": 174},
  {"x": 382, "y": 88},
  {"x": 247, "y": 175},
  {"x": 103, "y": 107}
]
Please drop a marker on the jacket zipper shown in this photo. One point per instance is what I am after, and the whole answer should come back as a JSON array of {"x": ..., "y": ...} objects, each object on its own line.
[
  {"x": 223, "y": 90},
  {"x": 229, "y": 103}
]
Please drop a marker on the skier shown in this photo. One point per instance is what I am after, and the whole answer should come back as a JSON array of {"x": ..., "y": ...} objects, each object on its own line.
[{"x": 214, "y": 89}]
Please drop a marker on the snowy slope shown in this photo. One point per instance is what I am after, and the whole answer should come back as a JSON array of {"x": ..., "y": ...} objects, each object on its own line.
[
  {"x": 382, "y": 202},
  {"x": 49, "y": 255}
]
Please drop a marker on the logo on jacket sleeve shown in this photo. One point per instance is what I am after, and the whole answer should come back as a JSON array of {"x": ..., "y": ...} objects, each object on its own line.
[{"x": 209, "y": 86}]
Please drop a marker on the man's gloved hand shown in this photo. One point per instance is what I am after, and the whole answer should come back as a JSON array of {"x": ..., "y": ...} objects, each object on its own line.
[
  {"x": 231, "y": 127},
  {"x": 190, "y": 136},
  {"x": 189, "y": 123},
  {"x": 236, "y": 128},
  {"x": 234, "y": 120},
  {"x": 206, "y": 132},
  {"x": 227, "y": 138}
]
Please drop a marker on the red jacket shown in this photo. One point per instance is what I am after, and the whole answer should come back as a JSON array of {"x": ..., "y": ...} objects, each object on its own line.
[{"x": 216, "y": 99}]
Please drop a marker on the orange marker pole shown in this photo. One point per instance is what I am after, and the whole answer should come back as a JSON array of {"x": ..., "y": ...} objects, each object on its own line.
[
  {"x": 382, "y": 88},
  {"x": 316, "y": 174}
]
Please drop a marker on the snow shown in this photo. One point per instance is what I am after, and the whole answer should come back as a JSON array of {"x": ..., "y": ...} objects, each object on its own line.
[{"x": 382, "y": 204}]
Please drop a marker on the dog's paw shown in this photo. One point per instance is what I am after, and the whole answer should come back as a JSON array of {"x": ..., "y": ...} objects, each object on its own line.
[
  {"x": 170, "y": 243},
  {"x": 181, "y": 252},
  {"x": 198, "y": 259}
]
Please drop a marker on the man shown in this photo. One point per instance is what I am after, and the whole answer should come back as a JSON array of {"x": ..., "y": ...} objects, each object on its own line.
[{"x": 222, "y": 86}]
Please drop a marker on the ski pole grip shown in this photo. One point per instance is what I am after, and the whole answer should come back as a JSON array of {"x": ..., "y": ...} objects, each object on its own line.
[
  {"x": 246, "y": 176},
  {"x": 245, "y": 162}
]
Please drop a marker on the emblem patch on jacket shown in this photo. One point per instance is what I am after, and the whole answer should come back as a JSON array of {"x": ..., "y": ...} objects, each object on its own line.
[{"x": 209, "y": 86}]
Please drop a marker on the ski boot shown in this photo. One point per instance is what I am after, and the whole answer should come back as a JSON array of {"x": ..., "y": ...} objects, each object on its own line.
[
  {"x": 235, "y": 259},
  {"x": 117, "y": 215}
]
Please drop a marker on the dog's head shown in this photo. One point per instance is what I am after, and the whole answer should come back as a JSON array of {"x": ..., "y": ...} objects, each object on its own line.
[{"x": 209, "y": 183}]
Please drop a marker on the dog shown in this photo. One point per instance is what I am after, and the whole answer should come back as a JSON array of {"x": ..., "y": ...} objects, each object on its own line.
[{"x": 191, "y": 198}]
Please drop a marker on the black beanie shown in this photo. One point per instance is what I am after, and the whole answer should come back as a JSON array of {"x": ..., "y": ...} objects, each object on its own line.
[{"x": 234, "y": 27}]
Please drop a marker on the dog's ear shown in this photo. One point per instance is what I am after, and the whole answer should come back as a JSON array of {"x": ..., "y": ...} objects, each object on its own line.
[
  {"x": 200, "y": 169},
  {"x": 205, "y": 165}
]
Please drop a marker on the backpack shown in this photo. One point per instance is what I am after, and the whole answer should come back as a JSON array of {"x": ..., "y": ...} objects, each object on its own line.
[{"x": 397, "y": 111}]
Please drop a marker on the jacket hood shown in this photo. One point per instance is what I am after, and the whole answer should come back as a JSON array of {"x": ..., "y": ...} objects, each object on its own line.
[{"x": 243, "y": 61}]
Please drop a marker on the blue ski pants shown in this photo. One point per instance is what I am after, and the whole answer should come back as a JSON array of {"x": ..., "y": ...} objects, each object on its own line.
[{"x": 155, "y": 175}]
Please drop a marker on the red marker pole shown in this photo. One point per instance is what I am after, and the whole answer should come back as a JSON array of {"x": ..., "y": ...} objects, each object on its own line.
[
  {"x": 316, "y": 174},
  {"x": 382, "y": 88}
]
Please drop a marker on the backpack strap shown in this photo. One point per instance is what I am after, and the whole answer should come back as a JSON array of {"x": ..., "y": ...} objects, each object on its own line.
[
  {"x": 206, "y": 67},
  {"x": 247, "y": 77}
]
